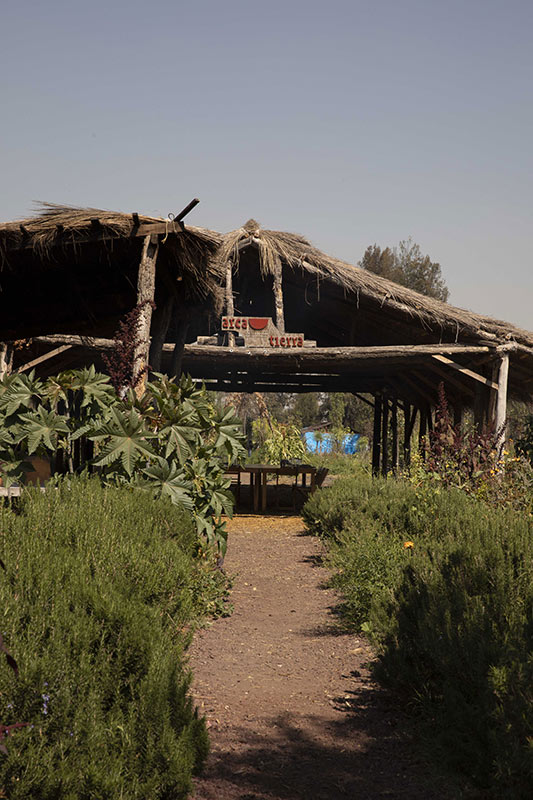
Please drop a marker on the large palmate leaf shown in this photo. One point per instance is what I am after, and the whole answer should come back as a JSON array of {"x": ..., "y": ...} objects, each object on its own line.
[
  {"x": 166, "y": 479},
  {"x": 22, "y": 394},
  {"x": 229, "y": 435},
  {"x": 96, "y": 389},
  {"x": 125, "y": 440},
  {"x": 42, "y": 427}
]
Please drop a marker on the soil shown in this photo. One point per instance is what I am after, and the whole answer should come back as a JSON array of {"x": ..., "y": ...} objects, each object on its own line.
[{"x": 291, "y": 709}]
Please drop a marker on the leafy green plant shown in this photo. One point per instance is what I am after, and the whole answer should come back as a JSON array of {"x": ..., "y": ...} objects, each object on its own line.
[
  {"x": 171, "y": 441},
  {"x": 102, "y": 589},
  {"x": 282, "y": 441},
  {"x": 443, "y": 583}
]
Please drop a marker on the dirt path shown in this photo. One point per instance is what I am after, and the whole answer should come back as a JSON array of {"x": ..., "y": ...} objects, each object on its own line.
[{"x": 292, "y": 712}]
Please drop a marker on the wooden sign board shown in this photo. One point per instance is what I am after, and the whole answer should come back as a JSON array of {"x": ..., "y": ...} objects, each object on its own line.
[{"x": 261, "y": 332}]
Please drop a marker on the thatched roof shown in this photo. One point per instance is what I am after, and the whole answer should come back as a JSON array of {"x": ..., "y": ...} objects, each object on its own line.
[
  {"x": 58, "y": 226},
  {"x": 278, "y": 248}
]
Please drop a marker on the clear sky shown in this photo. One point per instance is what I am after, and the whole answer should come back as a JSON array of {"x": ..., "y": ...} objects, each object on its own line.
[{"x": 352, "y": 123}]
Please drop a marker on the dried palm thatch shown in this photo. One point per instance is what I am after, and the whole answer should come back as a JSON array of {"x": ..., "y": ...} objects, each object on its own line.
[
  {"x": 57, "y": 227},
  {"x": 277, "y": 248}
]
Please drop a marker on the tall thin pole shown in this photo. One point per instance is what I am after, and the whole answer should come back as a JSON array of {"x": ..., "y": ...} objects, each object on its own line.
[
  {"x": 376, "y": 438},
  {"x": 145, "y": 303}
]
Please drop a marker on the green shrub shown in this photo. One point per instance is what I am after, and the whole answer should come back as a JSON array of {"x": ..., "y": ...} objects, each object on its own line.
[
  {"x": 100, "y": 588},
  {"x": 444, "y": 584}
]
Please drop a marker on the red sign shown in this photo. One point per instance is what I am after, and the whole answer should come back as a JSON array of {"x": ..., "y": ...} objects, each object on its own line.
[{"x": 286, "y": 341}]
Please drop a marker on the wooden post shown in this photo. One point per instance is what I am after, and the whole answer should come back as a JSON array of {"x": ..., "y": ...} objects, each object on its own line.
[
  {"x": 145, "y": 301},
  {"x": 230, "y": 308},
  {"x": 385, "y": 436},
  {"x": 501, "y": 405},
  {"x": 6, "y": 359},
  {"x": 395, "y": 441},
  {"x": 278, "y": 297},
  {"x": 160, "y": 326},
  {"x": 376, "y": 438},
  {"x": 409, "y": 424},
  {"x": 422, "y": 430},
  {"x": 179, "y": 347}
]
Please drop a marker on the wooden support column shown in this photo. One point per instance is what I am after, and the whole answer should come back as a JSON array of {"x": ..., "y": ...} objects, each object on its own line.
[
  {"x": 395, "y": 440},
  {"x": 6, "y": 359},
  {"x": 179, "y": 347},
  {"x": 501, "y": 405},
  {"x": 480, "y": 409},
  {"x": 409, "y": 424},
  {"x": 376, "y": 438},
  {"x": 422, "y": 431},
  {"x": 230, "y": 307},
  {"x": 160, "y": 327},
  {"x": 145, "y": 301},
  {"x": 278, "y": 298},
  {"x": 385, "y": 436}
]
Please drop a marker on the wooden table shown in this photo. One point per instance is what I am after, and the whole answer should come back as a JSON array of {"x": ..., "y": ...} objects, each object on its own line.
[{"x": 260, "y": 472}]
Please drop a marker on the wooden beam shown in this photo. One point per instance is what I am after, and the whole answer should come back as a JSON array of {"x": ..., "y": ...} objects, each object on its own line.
[
  {"x": 465, "y": 371},
  {"x": 44, "y": 357},
  {"x": 444, "y": 373},
  {"x": 187, "y": 210},
  {"x": 145, "y": 303}
]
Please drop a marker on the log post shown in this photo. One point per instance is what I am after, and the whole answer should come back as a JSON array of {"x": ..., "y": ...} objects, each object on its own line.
[
  {"x": 422, "y": 430},
  {"x": 278, "y": 297},
  {"x": 230, "y": 308},
  {"x": 160, "y": 327},
  {"x": 409, "y": 424},
  {"x": 376, "y": 438},
  {"x": 395, "y": 440},
  {"x": 6, "y": 359},
  {"x": 145, "y": 302},
  {"x": 501, "y": 404},
  {"x": 179, "y": 347},
  {"x": 385, "y": 437}
]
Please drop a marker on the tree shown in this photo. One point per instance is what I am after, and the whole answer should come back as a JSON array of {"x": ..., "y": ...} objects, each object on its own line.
[{"x": 407, "y": 266}]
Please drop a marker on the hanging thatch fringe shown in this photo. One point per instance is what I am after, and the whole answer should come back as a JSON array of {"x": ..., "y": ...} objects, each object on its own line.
[{"x": 296, "y": 252}]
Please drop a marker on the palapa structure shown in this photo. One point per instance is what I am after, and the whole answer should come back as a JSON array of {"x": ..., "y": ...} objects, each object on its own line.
[
  {"x": 322, "y": 324},
  {"x": 75, "y": 272}
]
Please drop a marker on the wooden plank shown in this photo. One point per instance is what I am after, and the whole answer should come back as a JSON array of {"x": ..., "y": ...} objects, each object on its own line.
[
  {"x": 44, "y": 357},
  {"x": 145, "y": 302},
  {"x": 465, "y": 371}
]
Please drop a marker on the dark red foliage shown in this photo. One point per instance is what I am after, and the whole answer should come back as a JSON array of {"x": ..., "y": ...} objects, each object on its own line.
[{"x": 120, "y": 360}]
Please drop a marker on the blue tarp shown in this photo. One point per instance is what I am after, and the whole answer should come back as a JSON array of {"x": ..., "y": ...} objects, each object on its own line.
[{"x": 322, "y": 442}]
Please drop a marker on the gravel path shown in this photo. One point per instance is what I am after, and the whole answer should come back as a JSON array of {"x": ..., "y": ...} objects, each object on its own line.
[{"x": 292, "y": 712}]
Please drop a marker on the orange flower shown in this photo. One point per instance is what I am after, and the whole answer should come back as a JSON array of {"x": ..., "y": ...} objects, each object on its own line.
[{"x": 408, "y": 545}]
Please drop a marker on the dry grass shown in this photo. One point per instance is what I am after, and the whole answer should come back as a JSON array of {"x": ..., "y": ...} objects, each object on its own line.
[{"x": 277, "y": 247}]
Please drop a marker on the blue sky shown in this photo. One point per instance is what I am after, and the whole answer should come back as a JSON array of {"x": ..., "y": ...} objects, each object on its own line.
[{"x": 352, "y": 123}]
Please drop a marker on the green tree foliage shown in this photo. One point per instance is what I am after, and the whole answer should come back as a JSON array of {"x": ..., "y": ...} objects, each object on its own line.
[
  {"x": 306, "y": 410},
  {"x": 407, "y": 266}
]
